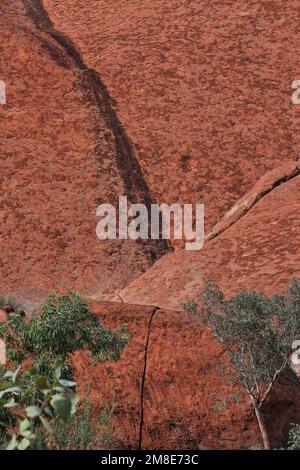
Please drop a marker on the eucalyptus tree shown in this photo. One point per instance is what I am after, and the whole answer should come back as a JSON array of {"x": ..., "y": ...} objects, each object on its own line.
[{"x": 258, "y": 332}]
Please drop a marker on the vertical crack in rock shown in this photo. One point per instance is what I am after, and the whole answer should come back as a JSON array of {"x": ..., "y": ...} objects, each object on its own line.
[
  {"x": 144, "y": 378},
  {"x": 135, "y": 184}
]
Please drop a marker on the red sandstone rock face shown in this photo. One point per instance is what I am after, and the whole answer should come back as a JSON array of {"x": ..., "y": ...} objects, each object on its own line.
[
  {"x": 205, "y": 120},
  {"x": 61, "y": 156},
  {"x": 258, "y": 251},
  {"x": 203, "y": 88},
  {"x": 177, "y": 407}
]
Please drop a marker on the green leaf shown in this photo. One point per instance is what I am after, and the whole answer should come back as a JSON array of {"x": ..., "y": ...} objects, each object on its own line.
[
  {"x": 33, "y": 411},
  {"x": 12, "y": 443},
  {"x": 33, "y": 371},
  {"x": 10, "y": 390},
  {"x": 62, "y": 405},
  {"x": 57, "y": 372},
  {"x": 67, "y": 383},
  {"x": 59, "y": 389},
  {"x": 15, "y": 374},
  {"x": 42, "y": 383},
  {"x": 27, "y": 434},
  {"x": 8, "y": 375},
  {"x": 74, "y": 401},
  {"x": 57, "y": 368},
  {"x": 48, "y": 412},
  {"x": 6, "y": 384},
  {"x": 24, "y": 425},
  {"x": 11, "y": 403},
  {"x": 24, "y": 444},
  {"x": 3, "y": 402}
]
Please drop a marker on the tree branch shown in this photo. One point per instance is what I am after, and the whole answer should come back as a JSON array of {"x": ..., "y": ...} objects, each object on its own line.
[{"x": 275, "y": 376}]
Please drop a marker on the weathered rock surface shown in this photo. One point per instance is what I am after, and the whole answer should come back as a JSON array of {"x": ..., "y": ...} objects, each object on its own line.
[
  {"x": 155, "y": 406},
  {"x": 196, "y": 134},
  {"x": 63, "y": 152},
  {"x": 203, "y": 88},
  {"x": 257, "y": 249}
]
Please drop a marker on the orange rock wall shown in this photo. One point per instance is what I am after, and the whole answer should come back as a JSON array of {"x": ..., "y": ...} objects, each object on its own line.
[{"x": 202, "y": 88}]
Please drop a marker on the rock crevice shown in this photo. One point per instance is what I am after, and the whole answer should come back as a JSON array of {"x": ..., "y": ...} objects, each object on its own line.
[
  {"x": 265, "y": 186},
  {"x": 135, "y": 184},
  {"x": 144, "y": 378}
]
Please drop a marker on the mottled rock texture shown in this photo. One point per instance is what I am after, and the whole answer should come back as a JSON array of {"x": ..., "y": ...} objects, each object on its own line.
[
  {"x": 254, "y": 248},
  {"x": 63, "y": 152},
  {"x": 203, "y": 88}
]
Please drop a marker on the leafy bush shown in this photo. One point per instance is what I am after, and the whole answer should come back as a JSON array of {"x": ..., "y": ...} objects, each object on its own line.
[
  {"x": 65, "y": 325},
  {"x": 62, "y": 325},
  {"x": 79, "y": 432},
  {"x": 58, "y": 326},
  {"x": 294, "y": 437}
]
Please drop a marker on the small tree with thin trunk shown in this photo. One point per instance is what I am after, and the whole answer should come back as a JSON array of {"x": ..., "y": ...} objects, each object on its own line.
[{"x": 258, "y": 332}]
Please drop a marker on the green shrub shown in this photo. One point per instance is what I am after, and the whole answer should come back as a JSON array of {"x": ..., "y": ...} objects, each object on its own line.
[
  {"x": 294, "y": 437},
  {"x": 80, "y": 432},
  {"x": 65, "y": 324},
  {"x": 58, "y": 326},
  {"x": 62, "y": 325}
]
